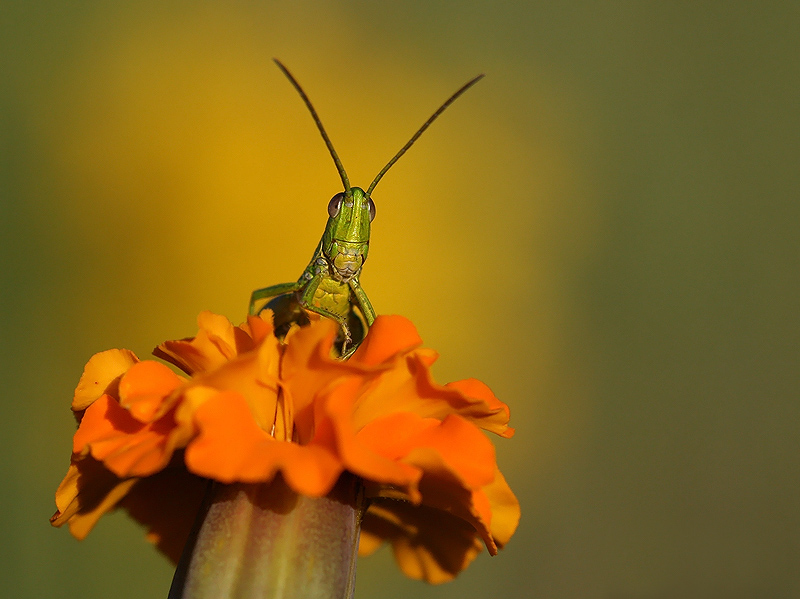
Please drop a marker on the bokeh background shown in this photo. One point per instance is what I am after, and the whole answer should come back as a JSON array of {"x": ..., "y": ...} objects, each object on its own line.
[{"x": 605, "y": 230}]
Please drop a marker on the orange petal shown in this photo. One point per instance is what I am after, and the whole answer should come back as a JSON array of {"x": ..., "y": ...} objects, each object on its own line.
[
  {"x": 388, "y": 336},
  {"x": 334, "y": 429},
  {"x": 395, "y": 390},
  {"x": 125, "y": 445},
  {"x": 493, "y": 511},
  {"x": 497, "y": 412},
  {"x": 144, "y": 389},
  {"x": 393, "y": 436},
  {"x": 259, "y": 327},
  {"x": 217, "y": 341},
  {"x": 101, "y": 375},
  {"x": 369, "y": 543},
  {"x": 459, "y": 470},
  {"x": 166, "y": 503},
  {"x": 308, "y": 369},
  {"x": 252, "y": 375},
  {"x": 505, "y": 510},
  {"x": 231, "y": 447},
  {"x": 457, "y": 446},
  {"x": 408, "y": 386},
  {"x": 428, "y": 544},
  {"x": 453, "y": 450},
  {"x": 87, "y": 492}
]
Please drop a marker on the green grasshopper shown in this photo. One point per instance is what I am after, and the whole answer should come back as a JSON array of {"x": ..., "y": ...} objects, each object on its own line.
[{"x": 330, "y": 285}]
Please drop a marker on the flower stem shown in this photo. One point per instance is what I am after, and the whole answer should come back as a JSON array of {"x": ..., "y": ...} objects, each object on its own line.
[{"x": 265, "y": 541}]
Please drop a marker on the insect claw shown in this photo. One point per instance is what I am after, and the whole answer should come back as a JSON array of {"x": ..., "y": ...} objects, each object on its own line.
[{"x": 348, "y": 340}]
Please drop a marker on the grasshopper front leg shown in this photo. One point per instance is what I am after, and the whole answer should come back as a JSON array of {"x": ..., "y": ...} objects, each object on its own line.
[
  {"x": 271, "y": 291},
  {"x": 363, "y": 301}
]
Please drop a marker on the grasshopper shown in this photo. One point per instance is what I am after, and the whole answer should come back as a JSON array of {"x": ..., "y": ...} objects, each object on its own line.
[{"x": 329, "y": 285}]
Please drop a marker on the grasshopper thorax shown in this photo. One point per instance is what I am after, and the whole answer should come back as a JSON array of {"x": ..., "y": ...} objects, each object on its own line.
[{"x": 345, "y": 243}]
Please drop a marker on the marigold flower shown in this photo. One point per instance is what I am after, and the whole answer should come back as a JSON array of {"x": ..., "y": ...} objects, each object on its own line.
[{"x": 254, "y": 406}]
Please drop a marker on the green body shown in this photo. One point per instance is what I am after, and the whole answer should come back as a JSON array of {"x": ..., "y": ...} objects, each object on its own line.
[{"x": 329, "y": 284}]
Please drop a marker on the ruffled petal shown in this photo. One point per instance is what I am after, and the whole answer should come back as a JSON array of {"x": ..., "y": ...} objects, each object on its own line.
[
  {"x": 494, "y": 416},
  {"x": 308, "y": 369},
  {"x": 455, "y": 443},
  {"x": 145, "y": 388},
  {"x": 101, "y": 375},
  {"x": 409, "y": 387},
  {"x": 389, "y": 336},
  {"x": 258, "y": 328},
  {"x": 231, "y": 447},
  {"x": 216, "y": 342},
  {"x": 252, "y": 375},
  {"x": 453, "y": 449},
  {"x": 428, "y": 544},
  {"x": 88, "y": 491},
  {"x": 505, "y": 510},
  {"x": 166, "y": 503},
  {"x": 257, "y": 407},
  {"x": 125, "y": 445},
  {"x": 493, "y": 511},
  {"x": 334, "y": 429},
  {"x": 438, "y": 539}
]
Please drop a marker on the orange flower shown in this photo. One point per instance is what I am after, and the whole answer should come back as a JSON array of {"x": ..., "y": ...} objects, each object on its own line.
[{"x": 255, "y": 406}]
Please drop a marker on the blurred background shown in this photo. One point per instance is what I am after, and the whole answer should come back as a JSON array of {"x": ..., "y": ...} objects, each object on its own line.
[{"x": 605, "y": 230}]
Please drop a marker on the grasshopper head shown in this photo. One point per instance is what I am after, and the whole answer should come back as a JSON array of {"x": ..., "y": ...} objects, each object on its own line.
[{"x": 345, "y": 242}]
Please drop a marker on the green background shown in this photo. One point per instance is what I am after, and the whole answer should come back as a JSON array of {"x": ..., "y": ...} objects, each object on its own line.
[{"x": 604, "y": 230}]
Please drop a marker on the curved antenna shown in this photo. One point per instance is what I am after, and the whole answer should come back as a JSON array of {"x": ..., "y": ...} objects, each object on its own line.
[
  {"x": 314, "y": 115},
  {"x": 421, "y": 130}
]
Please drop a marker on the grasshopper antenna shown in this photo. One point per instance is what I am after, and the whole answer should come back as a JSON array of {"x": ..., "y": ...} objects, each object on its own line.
[
  {"x": 315, "y": 116},
  {"x": 419, "y": 132}
]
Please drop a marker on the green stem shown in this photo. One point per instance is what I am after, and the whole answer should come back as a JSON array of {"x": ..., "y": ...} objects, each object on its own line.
[{"x": 265, "y": 541}]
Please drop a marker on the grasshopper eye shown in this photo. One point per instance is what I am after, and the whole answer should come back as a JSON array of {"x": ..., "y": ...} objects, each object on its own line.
[
  {"x": 371, "y": 210},
  {"x": 335, "y": 205}
]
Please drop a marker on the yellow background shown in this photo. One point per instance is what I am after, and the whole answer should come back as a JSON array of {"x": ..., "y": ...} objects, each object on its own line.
[{"x": 604, "y": 230}]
